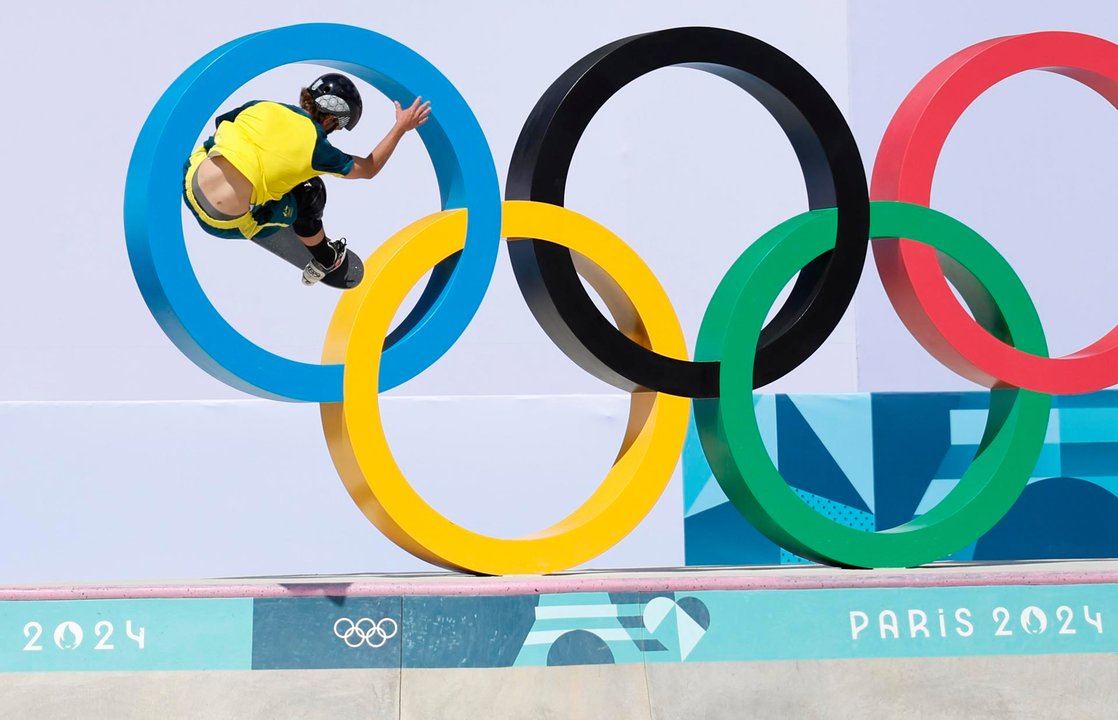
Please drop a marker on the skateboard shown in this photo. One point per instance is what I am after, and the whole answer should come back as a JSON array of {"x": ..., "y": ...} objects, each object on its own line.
[{"x": 287, "y": 245}]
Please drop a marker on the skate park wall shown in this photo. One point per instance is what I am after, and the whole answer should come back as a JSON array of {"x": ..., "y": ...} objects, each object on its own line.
[{"x": 122, "y": 460}]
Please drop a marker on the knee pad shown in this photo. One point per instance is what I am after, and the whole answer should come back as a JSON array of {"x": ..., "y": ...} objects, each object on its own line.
[{"x": 310, "y": 201}]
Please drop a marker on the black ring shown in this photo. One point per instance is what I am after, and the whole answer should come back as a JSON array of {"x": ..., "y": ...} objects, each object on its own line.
[{"x": 833, "y": 173}]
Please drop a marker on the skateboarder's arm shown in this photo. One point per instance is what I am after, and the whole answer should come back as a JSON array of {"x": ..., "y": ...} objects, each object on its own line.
[{"x": 406, "y": 119}]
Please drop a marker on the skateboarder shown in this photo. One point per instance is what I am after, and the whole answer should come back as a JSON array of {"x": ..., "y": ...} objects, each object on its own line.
[{"x": 259, "y": 171}]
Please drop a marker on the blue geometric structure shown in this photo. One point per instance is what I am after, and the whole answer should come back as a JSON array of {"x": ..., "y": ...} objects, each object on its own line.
[{"x": 876, "y": 460}]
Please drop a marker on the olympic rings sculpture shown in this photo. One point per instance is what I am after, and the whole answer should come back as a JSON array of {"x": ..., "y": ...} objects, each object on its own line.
[{"x": 643, "y": 351}]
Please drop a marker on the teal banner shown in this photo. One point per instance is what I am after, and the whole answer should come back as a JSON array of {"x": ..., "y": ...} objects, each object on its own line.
[
  {"x": 115, "y": 635},
  {"x": 889, "y": 623},
  {"x": 327, "y": 632},
  {"x": 557, "y": 629},
  {"x": 729, "y": 626}
]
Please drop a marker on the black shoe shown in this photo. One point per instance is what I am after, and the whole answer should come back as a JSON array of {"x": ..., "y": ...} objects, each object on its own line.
[{"x": 315, "y": 271}]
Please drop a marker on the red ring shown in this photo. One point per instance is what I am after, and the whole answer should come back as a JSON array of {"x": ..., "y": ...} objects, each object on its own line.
[{"x": 904, "y": 168}]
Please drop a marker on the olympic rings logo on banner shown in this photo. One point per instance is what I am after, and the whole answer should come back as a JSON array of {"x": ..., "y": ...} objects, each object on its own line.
[
  {"x": 365, "y": 631},
  {"x": 643, "y": 351}
]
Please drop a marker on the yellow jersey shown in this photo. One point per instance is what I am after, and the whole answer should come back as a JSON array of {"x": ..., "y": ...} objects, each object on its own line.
[{"x": 276, "y": 147}]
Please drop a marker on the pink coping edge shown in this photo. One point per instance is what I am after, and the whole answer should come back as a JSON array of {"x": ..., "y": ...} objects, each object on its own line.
[{"x": 534, "y": 585}]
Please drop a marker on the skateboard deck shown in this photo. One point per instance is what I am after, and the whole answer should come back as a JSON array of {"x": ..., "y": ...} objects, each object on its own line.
[{"x": 287, "y": 245}]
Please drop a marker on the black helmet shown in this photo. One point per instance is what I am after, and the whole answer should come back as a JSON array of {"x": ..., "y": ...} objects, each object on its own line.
[{"x": 336, "y": 95}]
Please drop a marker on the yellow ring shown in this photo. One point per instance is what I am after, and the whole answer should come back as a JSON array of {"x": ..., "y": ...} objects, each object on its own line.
[{"x": 354, "y": 433}]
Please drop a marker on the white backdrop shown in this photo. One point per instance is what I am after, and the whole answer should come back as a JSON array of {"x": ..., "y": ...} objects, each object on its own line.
[{"x": 122, "y": 460}]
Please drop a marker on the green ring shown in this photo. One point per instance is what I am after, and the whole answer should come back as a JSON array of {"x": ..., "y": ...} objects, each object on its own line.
[{"x": 731, "y": 439}]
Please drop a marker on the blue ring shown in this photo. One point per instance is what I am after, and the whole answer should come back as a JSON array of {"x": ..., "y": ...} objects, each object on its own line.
[{"x": 153, "y": 218}]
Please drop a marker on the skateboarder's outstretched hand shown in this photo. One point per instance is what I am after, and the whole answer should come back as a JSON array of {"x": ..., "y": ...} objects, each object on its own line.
[{"x": 412, "y": 117}]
